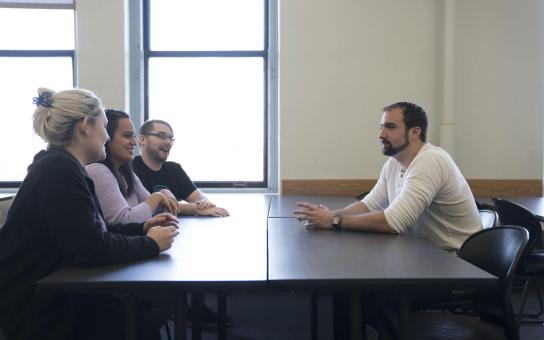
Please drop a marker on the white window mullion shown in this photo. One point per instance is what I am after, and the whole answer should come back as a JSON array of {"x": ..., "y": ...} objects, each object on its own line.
[{"x": 37, "y": 4}]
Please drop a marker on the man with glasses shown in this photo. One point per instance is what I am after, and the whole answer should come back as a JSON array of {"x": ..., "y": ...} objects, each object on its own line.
[{"x": 156, "y": 173}]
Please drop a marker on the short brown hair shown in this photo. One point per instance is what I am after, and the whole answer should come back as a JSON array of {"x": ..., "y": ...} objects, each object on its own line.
[
  {"x": 148, "y": 126},
  {"x": 413, "y": 115}
]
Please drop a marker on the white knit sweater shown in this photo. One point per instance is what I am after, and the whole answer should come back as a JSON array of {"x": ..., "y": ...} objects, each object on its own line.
[{"x": 431, "y": 198}]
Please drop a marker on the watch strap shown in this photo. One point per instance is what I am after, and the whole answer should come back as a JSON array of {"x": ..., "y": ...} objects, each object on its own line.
[{"x": 337, "y": 221}]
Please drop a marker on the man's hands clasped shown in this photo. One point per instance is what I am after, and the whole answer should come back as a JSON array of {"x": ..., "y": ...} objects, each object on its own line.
[{"x": 315, "y": 215}]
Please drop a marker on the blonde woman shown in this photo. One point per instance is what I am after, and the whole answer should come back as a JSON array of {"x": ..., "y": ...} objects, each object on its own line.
[{"x": 55, "y": 221}]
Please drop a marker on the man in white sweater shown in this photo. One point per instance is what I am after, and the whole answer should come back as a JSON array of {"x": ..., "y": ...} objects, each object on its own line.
[{"x": 420, "y": 188}]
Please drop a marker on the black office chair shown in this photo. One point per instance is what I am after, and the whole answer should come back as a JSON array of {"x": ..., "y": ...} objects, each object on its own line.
[
  {"x": 498, "y": 251},
  {"x": 362, "y": 195},
  {"x": 531, "y": 265},
  {"x": 488, "y": 217},
  {"x": 479, "y": 205},
  {"x": 456, "y": 302}
]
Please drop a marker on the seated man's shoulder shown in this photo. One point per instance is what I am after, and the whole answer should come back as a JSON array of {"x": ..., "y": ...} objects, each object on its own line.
[
  {"x": 138, "y": 164},
  {"x": 431, "y": 162},
  {"x": 172, "y": 165},
  {"x": 436, "y": 154}
]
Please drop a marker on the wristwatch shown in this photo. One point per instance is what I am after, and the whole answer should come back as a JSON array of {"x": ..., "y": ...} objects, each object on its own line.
[{"x": 337, "y": 221}]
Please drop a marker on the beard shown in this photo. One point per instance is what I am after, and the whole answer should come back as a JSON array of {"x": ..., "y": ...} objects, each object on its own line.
[
  {"x": 389, "y": 150},
  {"x": 158, "y": 155}
]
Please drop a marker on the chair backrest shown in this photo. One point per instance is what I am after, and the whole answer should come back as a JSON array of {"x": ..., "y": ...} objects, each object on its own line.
[
  {"x": 514, "y": 214},
  {"x": 498, "y": 251},
  {"x": 362, "y": 195},
  {"x": 489, "y": 218},
  {"x": 479, "y": 204}
]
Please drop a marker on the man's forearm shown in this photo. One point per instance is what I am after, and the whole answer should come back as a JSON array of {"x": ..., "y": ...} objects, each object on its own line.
[
  {"x": 196, "y": 196},
  {"x": 354, "y": 208},
  {"x": 371, "y": 221}
]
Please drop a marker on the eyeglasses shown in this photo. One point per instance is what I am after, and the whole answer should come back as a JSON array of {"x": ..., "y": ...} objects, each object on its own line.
[{"x": 161, "y": 135}]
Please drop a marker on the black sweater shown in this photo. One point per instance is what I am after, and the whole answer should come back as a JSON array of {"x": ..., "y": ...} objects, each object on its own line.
[{"x": 55, "y": 221}]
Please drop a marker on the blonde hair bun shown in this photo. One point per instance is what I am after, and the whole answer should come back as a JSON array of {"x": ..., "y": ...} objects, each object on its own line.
[{"x": 57, "y": 113}]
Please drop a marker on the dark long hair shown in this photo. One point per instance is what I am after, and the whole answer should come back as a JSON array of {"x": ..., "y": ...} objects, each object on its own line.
[{"x": 125, "y": 174}]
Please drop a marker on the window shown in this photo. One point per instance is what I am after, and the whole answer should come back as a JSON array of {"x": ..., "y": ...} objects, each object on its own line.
[
  {"x": 206, "y": 73},
  {"x": 37, "y": 52}
]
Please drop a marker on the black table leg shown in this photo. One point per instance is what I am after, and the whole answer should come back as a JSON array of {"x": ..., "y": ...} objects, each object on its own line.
[
  {"x": 180, "y": 313},
  {"x": 404, "y": 310},
  {"x": 196, "y": 305},
  {"x": 355, "y": 315},
  {"x": 313, "y": 316},
  {"x": 130, "y": 317},
  {"x": 222, "y": 311}
]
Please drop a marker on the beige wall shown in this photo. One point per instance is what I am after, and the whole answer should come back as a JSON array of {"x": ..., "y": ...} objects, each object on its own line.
[
  {"x": 102, "y": 50},
  {"x": 500, "y": 88},
  {"x": 341, "y": 61}
]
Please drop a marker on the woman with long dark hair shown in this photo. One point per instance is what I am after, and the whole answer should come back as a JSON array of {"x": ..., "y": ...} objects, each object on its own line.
[{"x": 122, "y": 196}]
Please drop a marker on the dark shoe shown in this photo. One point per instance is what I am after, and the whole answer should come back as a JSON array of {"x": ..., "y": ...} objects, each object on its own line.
[{"x": 208, "y": 317}]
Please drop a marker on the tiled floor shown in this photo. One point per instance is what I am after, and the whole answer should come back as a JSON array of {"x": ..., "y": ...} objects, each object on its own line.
[
  {"x": 285, "y": 316},
  {"x": 266, "y": 316},
  {"x": 529, "y": 331}
]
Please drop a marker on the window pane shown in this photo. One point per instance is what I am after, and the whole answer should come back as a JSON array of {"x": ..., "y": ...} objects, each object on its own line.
[
  {"x": 215, "y": 106},
  {"x": 37, "y": 29},
  {"x": 19, "y": 83},
  {"x": 206, "y": 25}
]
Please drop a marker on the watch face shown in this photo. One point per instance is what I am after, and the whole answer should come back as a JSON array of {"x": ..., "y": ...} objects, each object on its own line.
[{"x": 335, "y": 219}]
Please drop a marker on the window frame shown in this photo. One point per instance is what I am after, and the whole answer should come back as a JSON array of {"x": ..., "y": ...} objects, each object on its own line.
[
  {"x": 266, "y": 54},
  {"x": 38, "y": 54}
]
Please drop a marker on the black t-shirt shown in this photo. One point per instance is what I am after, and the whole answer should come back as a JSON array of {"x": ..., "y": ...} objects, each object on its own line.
[{"x": 170, "y": 176}]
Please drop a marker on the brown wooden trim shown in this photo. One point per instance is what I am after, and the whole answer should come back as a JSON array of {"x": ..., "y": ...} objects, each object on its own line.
[
  {"x": 354, "y": 187},
  {"x": 505, "y": 187}
]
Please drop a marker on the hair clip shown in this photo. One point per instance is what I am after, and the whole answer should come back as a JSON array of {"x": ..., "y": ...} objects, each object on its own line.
[{"x": 44, "y": 100}]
